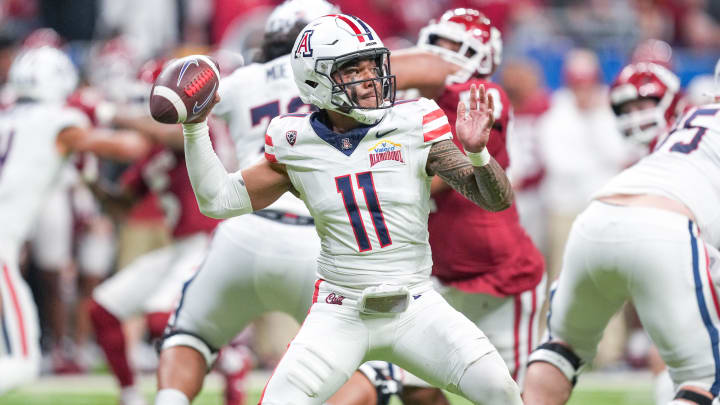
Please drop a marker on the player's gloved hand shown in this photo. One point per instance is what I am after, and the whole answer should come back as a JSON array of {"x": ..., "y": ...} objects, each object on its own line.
[
  {"x": 202, "y": 117},
  {"x": 473, "y": 126}
]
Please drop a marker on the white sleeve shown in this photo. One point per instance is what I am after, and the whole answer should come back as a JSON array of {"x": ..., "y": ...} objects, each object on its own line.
[{"x": 218, "y": 193}]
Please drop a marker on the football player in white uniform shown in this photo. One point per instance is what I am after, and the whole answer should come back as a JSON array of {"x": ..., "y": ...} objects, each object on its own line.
[
  {"x": 277, "y": 267},
  {"x": 646, "y": 100},
  {"x": 363, "y": 165},
  {"x": 650, "y": 236},
  {"x": 36, "y": 135}
]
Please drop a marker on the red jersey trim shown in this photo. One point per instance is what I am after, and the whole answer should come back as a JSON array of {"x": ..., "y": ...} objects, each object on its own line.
[
  {"x": 270, "y": 157},
  {"x": 435, "y": 133},
  {"x": 268, "y": 140},
  {"x": 432, "y": 116}
]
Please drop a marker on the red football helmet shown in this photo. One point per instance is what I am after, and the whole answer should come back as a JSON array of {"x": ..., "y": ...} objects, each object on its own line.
[
  {"x": 640, "y": 81},
  {"x": 480, "y": 43}
]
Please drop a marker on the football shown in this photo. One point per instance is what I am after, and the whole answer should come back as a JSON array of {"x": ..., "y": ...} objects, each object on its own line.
[{"x": 184, "y": 89}]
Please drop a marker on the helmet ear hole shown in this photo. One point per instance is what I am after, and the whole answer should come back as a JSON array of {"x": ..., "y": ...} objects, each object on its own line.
[{"x": 311, "y": 83}]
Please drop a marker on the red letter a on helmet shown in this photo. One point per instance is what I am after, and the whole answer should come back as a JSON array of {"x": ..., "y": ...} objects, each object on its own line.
[{"x": 304, "y": 48}]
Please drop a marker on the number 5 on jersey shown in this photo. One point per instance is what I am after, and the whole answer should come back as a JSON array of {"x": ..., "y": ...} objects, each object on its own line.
[{"x": 366, "y": 183}]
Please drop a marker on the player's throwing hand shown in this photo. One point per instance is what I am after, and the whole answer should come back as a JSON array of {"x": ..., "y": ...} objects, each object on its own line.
[{"x": 473, "y": 126}]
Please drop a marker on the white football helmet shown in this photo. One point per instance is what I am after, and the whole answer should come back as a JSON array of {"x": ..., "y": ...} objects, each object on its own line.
[
  {"x": 480, "y": 50},
  {"x": 42, "y": 74},
  {"x": 289, "y": 13},
  {"x": 330, "y": 42}
]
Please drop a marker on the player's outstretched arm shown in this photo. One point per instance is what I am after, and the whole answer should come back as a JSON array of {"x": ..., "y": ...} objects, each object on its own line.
[
  {"x": 223, "y": 195},
  {"x": 477, "y": 176},
  {"x": 118, "y": 145},
  {"x": 415, "y": 68}
]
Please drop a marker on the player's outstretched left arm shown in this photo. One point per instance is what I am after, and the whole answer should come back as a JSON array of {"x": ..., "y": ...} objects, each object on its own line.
[{"x": 477, "y": 176}]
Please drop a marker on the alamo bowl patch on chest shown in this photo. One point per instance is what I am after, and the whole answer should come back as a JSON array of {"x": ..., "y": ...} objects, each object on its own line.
[{"x": 385, "y": 151}]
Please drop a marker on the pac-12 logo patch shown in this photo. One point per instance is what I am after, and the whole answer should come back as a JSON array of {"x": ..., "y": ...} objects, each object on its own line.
[
  {"x": 291, "y": 137},
  {"x": 385, "y": 150},
  {"x": 304, "y": 48}
]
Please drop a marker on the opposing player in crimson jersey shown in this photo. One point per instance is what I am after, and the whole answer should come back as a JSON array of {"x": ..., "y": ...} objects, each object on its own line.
[
  {"x": 488, "y": 266},
  {"x": 362, "y": 165},
  {"x": 649, "y": 236},
  {"x": 37, "y": 135},
  {"x": 151, "y": 284}
]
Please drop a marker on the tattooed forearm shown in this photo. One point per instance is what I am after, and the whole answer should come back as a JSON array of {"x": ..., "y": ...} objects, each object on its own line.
[{"x": 486, "y": 186}]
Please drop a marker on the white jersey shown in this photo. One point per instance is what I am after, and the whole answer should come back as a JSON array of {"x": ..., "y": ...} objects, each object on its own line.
[
  {"x": 29, "y": 163},
  {"x": 367, "y": 189},
  {"x": 252, "y": 96},
  {"x": 684, "y": 167}
]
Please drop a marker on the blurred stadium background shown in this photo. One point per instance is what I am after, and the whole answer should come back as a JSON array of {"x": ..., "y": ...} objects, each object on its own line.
[{"x": 109, "y": 40}]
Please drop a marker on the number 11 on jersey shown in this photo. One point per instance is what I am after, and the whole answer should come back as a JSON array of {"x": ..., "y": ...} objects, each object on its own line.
[{"x": 366, "y": 183}]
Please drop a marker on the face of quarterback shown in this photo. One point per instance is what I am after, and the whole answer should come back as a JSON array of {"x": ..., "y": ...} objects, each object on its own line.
[{"x": 358, "y": 74}]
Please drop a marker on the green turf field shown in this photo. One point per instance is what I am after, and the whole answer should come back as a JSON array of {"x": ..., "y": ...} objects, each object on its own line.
[{"x": 99, "y": 390}]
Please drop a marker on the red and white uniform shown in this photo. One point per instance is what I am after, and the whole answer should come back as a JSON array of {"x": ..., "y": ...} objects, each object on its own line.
[
  {"x": 368, "y": 191},
  {"x": 152, "y": 282},
  {"x": 486, "y": 259},
  {"x": 29, "y": 165},
  {"x": 659, "y": 259}
]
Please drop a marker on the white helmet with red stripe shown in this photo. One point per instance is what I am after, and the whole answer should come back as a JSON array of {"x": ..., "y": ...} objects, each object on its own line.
[
  {"x": 328, "y": 43},
  {"x": 479, "y": 44}
]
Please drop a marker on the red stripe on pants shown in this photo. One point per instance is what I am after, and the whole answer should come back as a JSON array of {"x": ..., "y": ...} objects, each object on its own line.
[
  {"x": 711, "y": 285},
  {"x": 18, "y": 313}
]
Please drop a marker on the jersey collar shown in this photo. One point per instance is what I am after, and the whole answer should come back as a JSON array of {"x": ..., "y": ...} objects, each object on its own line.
[{"x": 346, "y": 142}]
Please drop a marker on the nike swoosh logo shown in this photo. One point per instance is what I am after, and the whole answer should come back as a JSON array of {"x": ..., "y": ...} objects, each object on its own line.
[
  {"x": 381, "y": 134},
  {"x": 184, "y": 68},
  {"x": 197, "y": 108}
]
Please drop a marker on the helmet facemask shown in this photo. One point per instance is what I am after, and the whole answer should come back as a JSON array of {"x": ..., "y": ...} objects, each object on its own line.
[
  {"x": 344, "y": 93},
  {"x": 642, "y": 126}
]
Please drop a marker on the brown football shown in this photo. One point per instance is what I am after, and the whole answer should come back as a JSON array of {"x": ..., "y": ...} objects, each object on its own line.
[{"x": 184, "y": 89}]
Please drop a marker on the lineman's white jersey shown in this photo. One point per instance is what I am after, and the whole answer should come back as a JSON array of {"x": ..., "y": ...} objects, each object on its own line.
[
  {"x": 29, "y": 163},
  {"x": 684, "y": 167},
  {"x": 249, "y": 98},
  {"x": 253, "y": 95},
  {"x": 367, "y": 189}
]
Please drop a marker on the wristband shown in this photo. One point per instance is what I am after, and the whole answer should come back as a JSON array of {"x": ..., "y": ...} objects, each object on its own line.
[
  {"x": 479, "y": 159},
  {"x": 194, "y": 131}
]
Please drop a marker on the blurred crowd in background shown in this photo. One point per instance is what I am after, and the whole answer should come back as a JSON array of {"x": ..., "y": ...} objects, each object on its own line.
[{"x": 559, "y": 56}]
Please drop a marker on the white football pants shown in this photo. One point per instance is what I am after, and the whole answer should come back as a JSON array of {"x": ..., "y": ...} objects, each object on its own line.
[
  {"x": 19, "y": 328},
  {"x": 655, "y": 258},
  {"x": 430, "y": 339}
]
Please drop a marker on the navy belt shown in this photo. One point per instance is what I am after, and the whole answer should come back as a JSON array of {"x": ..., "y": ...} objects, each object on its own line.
[{"x": 285, "y": 217}]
